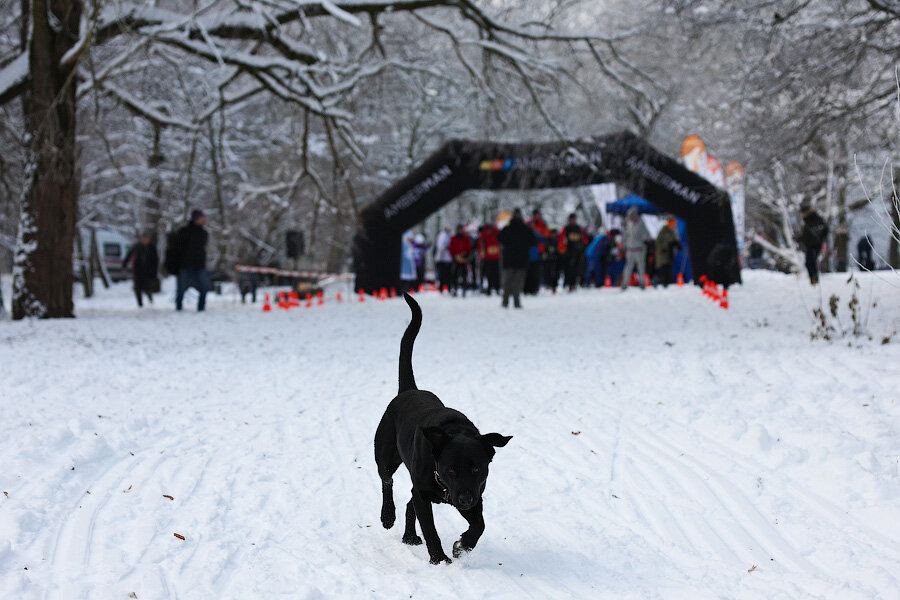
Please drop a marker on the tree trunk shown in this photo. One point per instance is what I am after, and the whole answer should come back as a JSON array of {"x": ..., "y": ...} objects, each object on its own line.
[
  {"x": 42, "y": 275},
  {"x": 894, "y": 250}
]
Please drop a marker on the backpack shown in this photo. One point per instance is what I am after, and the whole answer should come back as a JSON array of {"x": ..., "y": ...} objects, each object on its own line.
[{"x": 174, "y": 251}]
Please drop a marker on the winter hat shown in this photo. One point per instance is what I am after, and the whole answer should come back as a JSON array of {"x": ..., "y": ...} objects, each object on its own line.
[
  {"x": 196, "y": 214},
  {"x": 671, "y": 222}
]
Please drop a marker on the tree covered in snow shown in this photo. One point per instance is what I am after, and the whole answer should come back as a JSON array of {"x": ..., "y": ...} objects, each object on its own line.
[{"x": 292, "y": 114}]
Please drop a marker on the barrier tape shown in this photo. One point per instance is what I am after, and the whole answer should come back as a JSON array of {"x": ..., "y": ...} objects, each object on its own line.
[{"x": 282, "y": 273}]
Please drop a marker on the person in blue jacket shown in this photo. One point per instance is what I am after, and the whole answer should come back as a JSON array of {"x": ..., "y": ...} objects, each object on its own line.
[{"x": 597, "y": 254}]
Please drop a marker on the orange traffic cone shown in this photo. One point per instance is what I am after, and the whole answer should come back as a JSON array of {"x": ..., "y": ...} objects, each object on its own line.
[
  {"x": 308, "y": 300},
  {"x": 646, "y": 280},
  {"x": 607, "y": 283},
  {"x": 362, "y": 295},
  {"x": 293, "y": 299},
  {"x": 383, "y": 295},
  {"x": 321, "y": 298},
  {"x": 282, "y": 300},
  {"x": 724, "y": 302},
  {"x": 445, "y": 290},
  {"x": 680, "y": 280},
  {"x": 393, "y": 292},
  {"x": 266, "y": 306},
  {"x": 339, "y": 299}
]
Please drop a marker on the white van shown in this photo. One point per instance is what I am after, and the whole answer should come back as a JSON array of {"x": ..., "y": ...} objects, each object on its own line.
[{"x": 113, "y": 247}]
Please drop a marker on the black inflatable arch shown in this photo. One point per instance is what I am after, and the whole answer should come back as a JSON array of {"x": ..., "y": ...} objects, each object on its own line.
[{"x": 622, "y": 158}]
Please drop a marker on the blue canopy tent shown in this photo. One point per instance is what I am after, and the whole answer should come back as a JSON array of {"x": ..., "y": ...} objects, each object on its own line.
[{"x": 645, "y": 207}]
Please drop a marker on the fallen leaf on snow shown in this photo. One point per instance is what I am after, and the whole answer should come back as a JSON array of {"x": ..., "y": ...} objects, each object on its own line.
[
  {"x": 751, "y": 569},
  {"x": 168, "y": 496},
  {"x": 576, "y": 433},
  {"x": 181, "y": 537}
]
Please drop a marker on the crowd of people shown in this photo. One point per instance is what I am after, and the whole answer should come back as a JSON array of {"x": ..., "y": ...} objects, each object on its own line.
[{"x": 527, "y": 255}]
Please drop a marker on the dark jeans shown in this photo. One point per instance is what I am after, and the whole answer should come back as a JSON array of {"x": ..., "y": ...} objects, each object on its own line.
[
  {"x": 571, "y": 271},
  {"x": 460, "y": 277},
  {"x": 195, "y": 278},
  {"x": 664, "y": 275},
  {"x": 141, "y": 287},
  {"x": 812, "y": 264},
  {"x": 443, "y": 274},
  {"x": 513, "y": 282},
  {"x": 490, "y": 270}
]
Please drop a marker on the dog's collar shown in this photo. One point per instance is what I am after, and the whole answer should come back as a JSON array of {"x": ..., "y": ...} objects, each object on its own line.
[{"x": 437, "y": 479}]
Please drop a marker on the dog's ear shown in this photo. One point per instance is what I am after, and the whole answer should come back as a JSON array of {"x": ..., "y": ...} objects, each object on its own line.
[
  {"x": 495, "y": 440},
  {"x": 437, "y": 437}
]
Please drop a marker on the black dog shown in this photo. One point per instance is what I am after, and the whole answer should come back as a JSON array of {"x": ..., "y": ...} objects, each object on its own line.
[{"x": 446, "y": 456}]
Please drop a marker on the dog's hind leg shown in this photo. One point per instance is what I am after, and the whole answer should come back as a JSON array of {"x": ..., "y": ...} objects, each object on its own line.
[
  {"x": 388, "y": 460},
  {"x": 409, "y": 536},
  {"x": 469, "y": 538}
]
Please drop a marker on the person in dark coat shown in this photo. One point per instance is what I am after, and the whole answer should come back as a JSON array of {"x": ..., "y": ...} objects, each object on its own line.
[
  {"x": 145, "y": 266},
  {"x": 665, "y": 247},
  {"x": 516, "y": 241},
  {"x": 812, "y": 237},
  {"x": 190, "y": 258},
  {"x": 866, "y": 251},
  {"x": 571, "y": 247}
]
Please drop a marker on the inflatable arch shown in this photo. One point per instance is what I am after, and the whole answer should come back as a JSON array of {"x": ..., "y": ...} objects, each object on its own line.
[{"x": 622, "y": 158}]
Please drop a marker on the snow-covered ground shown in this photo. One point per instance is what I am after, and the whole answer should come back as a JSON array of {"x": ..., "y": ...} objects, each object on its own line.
[{"x": 663, "y": 448}]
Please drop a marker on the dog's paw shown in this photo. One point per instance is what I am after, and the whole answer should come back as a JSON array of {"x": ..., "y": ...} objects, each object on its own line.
[
  {"x": 388, "y": 516},
  {"x": 458, "y": 549},
  {"x": 412, "y": 540},
  {"x": 436, "y": 560}
]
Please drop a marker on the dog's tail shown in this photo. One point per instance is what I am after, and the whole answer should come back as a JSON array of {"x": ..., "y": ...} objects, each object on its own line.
[{"x": 407, "y": 380}]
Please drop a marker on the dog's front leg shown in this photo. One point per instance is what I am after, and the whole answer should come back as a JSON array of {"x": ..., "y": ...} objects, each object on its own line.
[
  {"x": 470, "y": 537},
  {"x": 409, "y": 536},
  {"x": 429, "y": 532},
  {"x": 388, "y": 510}
]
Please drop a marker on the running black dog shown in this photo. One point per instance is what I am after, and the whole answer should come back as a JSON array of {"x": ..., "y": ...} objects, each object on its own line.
[{"x": 446, "y": 457}]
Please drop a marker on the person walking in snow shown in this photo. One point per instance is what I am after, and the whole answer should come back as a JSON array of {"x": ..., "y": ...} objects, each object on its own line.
[
  {"x": 597, "y": 254},
  {"x": 516, "y": 241},
  {"x": 667, "y": 244},
  {"x": 145, "y": 265},
  {"x": 813, "y": 235},
  {"x": 186, "y": 256},
  {"x": 407, "y": 261},
  {"x": 634, "y": 240}
]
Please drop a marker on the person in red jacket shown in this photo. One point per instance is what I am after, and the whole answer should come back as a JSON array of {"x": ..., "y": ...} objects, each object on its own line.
[
  {"x": 489, "y": 256},
  {"x": 461, "y": 253}
]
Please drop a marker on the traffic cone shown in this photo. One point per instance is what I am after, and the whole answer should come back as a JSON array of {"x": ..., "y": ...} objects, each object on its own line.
[
  {"x": 339, "y": 299},
  {"x": 680, "y": 280},
  {"x": 634, "y": 280},
  {"x": 308, "y": 300},
  {"x": 607, "y": 283},
  {"x": 445, "y": 290},
  {"x": 383, "y": 295},
  {"x": 362, "y": 296},
  {"x": 293, "y": 299},
  {"x": 282, "y": 300},
  {"x": 393, "y": 292},
  {"x": 266, "y": 306},
  {"x": 646, "y": 280},
  {"x": 724, "y": 302},
  {"x": 321, "y": 298},
  {"x": 421, "y": 287}
]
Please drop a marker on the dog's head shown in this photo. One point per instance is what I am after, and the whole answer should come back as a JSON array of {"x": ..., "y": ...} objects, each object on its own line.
[{"x": 461, "y": 462}]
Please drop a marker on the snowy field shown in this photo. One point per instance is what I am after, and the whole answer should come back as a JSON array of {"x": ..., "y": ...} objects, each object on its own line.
[{"x": 663, "y": 448}]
